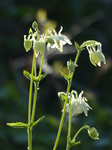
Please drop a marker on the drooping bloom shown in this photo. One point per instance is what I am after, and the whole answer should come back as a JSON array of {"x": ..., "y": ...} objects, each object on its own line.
[
  {"x": 95, "y": 53},
  {"x": 39, "y": 46},
  {"x": 78, "y": 104},
  {"x": 59, "y": 39}
]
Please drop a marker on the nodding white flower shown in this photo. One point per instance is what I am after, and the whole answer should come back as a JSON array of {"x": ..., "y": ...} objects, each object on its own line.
[
  {"x": 39, "y": 46},
  {"x": 59, "y": 39},
  {"x": 95, "y": 54},
  {"x": 78, "y": 104}
]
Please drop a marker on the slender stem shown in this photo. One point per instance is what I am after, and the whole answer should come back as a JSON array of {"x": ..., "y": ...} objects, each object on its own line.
[
  {"x": 62, "y": 118},
  {"x": 29, "y": 138},
  {"x": 69, "y": 128},
  {"x": 84, "y": 127},
  {"x": 34, "y": 103},
  {"x": 40, "y": 71},
  {"x": 29, "y": 107},
  {"x": 64, "y": 108},
  {"x": 35, "y": 97},
  {"x": 36, "y": 88},
  {"x": 30, "y": 92}
]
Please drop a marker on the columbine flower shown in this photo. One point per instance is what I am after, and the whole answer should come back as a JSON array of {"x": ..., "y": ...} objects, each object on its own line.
[
  {"x": 39, "y": 46},
  {"x": 95, "y": 53},
  {"x": 59, "y": 39},
  {"x": 78, "y": 104}
]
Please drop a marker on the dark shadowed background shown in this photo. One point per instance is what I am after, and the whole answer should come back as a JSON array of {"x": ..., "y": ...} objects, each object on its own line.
[{"x": 81, "y": 20}]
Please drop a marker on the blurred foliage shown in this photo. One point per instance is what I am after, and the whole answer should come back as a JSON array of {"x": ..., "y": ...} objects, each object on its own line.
[{"x": 82, "y": 20}]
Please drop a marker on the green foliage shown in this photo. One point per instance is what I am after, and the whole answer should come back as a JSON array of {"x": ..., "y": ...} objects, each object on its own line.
[{"x": 95, "y": 22}]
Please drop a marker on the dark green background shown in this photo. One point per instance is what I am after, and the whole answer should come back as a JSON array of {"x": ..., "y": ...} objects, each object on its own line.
[{"x": 82, "y": 20}]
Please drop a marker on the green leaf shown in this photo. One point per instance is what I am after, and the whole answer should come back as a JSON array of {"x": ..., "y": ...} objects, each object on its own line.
[
  {"x": 35, "y": 79},
  {"x": 36, "y": 122},
  {"x": 43, "y": 76},
  {"x": 65, "y": 76},
  {"x": 75, "y": 143},
  {"x": 77, "y": 46},
  {"x": 28, "y": 75},
  {"x": 18, "y": 125}
]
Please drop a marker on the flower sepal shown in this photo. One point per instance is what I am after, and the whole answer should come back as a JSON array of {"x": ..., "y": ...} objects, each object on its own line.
[
  {"x": 39, "y": 47},
  {"x": 62, "y": 95}
]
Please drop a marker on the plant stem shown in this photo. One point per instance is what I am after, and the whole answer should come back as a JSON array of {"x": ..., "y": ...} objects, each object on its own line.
[
  {"x": 84, "y": 127},
  {"x": 64, "y": 108},
  {"x": 30, "y": 92},
  {"x": 69, "y": 128},
  {"x": 40, "y": 71},
  {"x": 29, "y": 107},
  {"x": 62, "y": 118},
  {"x": 36, "y": 89},
  {"x": 29, "y": 138},
  {"x": 31, "y": 119}
]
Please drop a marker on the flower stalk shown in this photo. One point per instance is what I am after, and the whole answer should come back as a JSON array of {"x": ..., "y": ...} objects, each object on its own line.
[{"x": 64, "y": 108}]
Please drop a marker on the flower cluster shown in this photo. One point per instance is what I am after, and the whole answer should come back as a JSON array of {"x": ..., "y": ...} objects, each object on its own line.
[
  {"x": 78, "y": 104},
  {"x": 38, "y": 41}
]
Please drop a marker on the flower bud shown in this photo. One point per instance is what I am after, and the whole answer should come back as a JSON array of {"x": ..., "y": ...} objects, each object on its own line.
[
  {"x": 93, "y": 133},
  {"x": 35, "y": 26},
  {"x": 71, "y": 66},
  {"x": 27, "y": 44}
]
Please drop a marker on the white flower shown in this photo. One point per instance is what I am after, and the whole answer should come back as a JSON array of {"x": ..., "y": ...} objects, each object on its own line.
[
  {"x": 78, "y": 104},
  {"x": 59, "y": 39},
  {"x": 39, "y": 46},
  {"x": 95, "y": 53}
]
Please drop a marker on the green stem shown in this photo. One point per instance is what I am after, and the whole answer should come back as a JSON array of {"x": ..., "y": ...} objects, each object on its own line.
[
  {"x": 36, "y": 88},
  {"x": 64, "y": 108},
  {"x": 62, "y": 118},
  {"x": 40, "y": 71},
  {"x": 29, "y": 106},
  {"x": 34, "y": 101},
  {"x": 84, "y": 127},
  {"x": 69, "y": 128},
  {"x": 29, "y": 138},
  {"x": 30, "y": 92}
]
